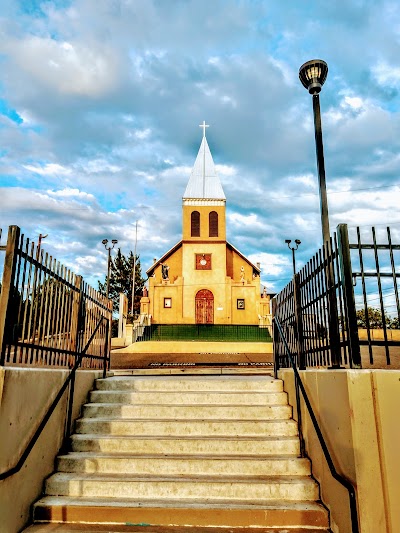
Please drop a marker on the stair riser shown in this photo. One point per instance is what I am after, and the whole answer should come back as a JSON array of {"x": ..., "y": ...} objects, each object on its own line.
[
  {"x": 223, "y": 517},
  {"x": 276, "y": 412},
  {"x": 188, "y": 398},
  {"x": 172, "y": 466},
  {"x": 188, "y": 490},
  {"x": 186, "y": 428},
  {"x": 186, "y": 447},
  {"x": 186, "y": 385}
]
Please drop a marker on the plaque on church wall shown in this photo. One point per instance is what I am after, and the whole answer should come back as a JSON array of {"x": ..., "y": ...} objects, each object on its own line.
[
  {"x": 167, "y": 302},
  {"x": 240, "y": 303},
  {"x": 203, "y": 261}
]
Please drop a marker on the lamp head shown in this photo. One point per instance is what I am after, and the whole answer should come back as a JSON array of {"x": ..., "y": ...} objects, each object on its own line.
[
  {"x": 288, "y": 241},
  {"x": 114, "y": 242},
  {"x": 104, "y": 241},
  {"x": 313, "y": 75},
  {"x": 297, "y": 241}
]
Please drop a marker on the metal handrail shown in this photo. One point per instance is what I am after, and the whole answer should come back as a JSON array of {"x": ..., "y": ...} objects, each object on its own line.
[
  {"x": 17, "y": 467},
  {"x": 341, "y": 479}
]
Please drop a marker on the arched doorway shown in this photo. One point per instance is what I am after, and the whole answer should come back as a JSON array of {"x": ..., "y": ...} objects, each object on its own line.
[{"x": 204, "y": 307}]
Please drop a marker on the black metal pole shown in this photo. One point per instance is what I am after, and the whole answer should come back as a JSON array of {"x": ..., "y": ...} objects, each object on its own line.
[
  {"x": 326, "y": 242},
  {"x": 108, "y": 271},
  {"x": 294, "y": 261},
  {"x": 321, "y": 169}
]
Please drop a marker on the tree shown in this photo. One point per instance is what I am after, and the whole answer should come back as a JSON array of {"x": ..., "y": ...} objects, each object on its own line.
[
  {"x": 375, "y": 319},
  {"x": 121, "y": 271}
]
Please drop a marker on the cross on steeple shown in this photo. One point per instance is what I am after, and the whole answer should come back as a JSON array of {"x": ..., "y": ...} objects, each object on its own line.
[{"x": 204, "y": 126}]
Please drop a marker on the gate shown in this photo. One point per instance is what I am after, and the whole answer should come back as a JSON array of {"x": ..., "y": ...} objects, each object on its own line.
[
  {"x": 48, "y": 315},
  {"x": 342, "y": 309}
]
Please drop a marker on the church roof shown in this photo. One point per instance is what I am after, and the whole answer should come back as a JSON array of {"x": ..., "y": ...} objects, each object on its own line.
[{"x": 203, "y": 181}]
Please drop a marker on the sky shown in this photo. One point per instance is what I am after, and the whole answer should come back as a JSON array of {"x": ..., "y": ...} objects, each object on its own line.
[{"x": 101, "y": 102}]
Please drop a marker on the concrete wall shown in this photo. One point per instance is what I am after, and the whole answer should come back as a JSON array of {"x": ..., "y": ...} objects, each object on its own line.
[
  {"x": 358, "y": 413},
  {"x": 25, "y": 394}
]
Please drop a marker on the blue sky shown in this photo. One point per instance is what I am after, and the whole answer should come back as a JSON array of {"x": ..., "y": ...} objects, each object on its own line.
[{"x": 100, "y": 103}]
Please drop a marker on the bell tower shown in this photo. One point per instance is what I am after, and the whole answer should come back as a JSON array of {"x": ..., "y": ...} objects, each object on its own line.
[{"x": 204, "y": 201}]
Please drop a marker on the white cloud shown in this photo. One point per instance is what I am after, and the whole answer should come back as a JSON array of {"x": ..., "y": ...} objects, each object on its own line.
[
  {"x": 386, "y": 75},
  {"x": 49, "y": 169},
  {"x": 250, "y": 221},
  {"x": 226, "y": 170},
  {"x": 71, "y": 193},
  {"x": 100, "y": 165},
  {"x": 70, "y": 68},
  {"x": 271, "y": 264}
]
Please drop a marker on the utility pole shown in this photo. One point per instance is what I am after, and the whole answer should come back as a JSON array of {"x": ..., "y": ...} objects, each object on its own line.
[{"x": 134, "y": 271}]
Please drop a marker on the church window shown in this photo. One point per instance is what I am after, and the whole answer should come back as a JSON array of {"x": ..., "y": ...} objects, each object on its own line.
[
  {"x": 195, "y": 224},
  {"x": 213, "y": 224}
]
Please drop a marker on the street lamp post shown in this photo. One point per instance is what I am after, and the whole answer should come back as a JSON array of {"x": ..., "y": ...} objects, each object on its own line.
[
  {"x": 293, "y": 248},
  {"x": 108, "y": 248},
  {"x": 297, "y": 306},
  {"x": 312, "y": 75}
]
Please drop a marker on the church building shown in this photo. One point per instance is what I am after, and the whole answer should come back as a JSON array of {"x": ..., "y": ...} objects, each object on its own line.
[{"x": 204, "y": 279}]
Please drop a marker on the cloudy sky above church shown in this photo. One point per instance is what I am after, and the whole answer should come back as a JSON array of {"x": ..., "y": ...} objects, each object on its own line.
[{"x": 101, "y": 101}]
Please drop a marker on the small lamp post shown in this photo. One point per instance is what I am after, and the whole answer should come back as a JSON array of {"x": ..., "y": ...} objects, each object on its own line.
[
  {"x": 313, "y": 75},
  {"x": 109, "y": 248},
  {"x": 297, "y": 243}
]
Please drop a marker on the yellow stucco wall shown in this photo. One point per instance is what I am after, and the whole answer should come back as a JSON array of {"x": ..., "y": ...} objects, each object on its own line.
[
  {"x": 357, "y": 412},
  {"x": 25, "y": 394},
  {"x": 183, "y": 289}
]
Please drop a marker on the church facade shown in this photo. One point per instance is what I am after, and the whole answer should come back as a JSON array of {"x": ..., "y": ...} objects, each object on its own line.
[{"x": 204, "y": 279}]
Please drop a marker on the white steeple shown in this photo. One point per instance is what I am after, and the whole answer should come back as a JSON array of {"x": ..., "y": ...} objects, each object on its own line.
[{"x": 204, "y": 182}]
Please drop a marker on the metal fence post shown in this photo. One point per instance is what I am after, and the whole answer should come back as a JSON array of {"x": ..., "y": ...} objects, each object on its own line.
[
  {"x": 76, "y": 315},
  {"x": 348, "y": 292},
  {"x": 301, "y": 363},
  {"x": 275, "y": 337},
  {"x": 8, "y": 289},
  {"x": 334, "y": 334}
]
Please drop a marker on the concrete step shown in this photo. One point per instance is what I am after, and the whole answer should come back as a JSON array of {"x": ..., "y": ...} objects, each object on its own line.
[
  {"x": 194, "y": 451},
  {"x": 312, "y": 516},
  {"x": 248, "y": 488},
  {"x": 181, "y": 428},
  {"x": 92, "y": 463},
  {"x": 242, "y": 412},
  {"x": 187, "y": 446},
  {"x": 85, "y": 528},
  {"x": 193, "y": 384},
  {"x": 187, "y": 398}
]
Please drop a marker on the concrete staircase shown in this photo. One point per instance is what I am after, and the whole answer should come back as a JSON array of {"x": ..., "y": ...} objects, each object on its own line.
[{"x": 205, "y": 451}]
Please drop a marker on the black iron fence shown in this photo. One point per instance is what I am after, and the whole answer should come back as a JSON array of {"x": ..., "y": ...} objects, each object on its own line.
[
  {"x": 47, "y": 313},
  {"x": 342, "y": 308}
]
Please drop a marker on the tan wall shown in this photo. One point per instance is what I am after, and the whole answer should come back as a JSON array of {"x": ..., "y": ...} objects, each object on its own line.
[
  {"x": 357, "y": 412},
  {"x": 183, "y": 290},
  {"x": 25, "y": 395},
  {"x": 251, "y": 295},
  {"x": 164, "y": 315},
  {"x": 174, "y": 262}
]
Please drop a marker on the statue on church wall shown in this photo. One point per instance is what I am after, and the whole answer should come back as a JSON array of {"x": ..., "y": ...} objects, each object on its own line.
[{"x": 164, "y": 271}]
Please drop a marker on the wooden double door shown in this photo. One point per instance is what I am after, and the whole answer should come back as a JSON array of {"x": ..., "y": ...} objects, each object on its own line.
[{"x": 204, "y": 307}]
